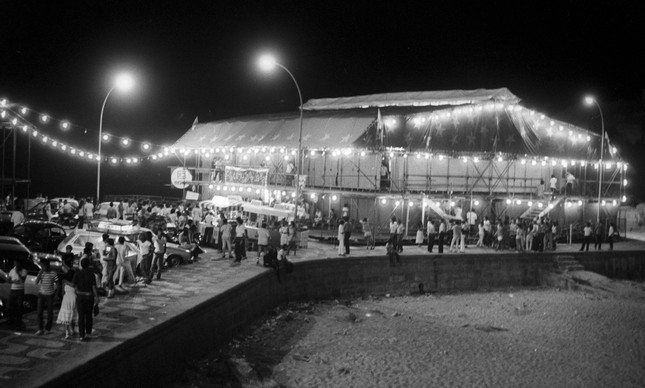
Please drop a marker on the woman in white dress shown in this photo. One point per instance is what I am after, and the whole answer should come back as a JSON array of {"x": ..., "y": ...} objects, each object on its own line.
[
  {"x": 341, "y": 238},
  {"x": 68, "y": 314}
]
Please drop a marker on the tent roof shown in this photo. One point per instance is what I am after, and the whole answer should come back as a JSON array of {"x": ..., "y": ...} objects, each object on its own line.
[
  {"x": 319, "y": 130},
  {"x": 433, "y": 98}
]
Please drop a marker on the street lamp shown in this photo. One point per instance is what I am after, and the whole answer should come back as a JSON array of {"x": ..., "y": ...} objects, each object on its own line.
[
  {"x": 123, "y": 82},
  {"x": 267, "y": 63},
  {"x": 591, "y": 101}
]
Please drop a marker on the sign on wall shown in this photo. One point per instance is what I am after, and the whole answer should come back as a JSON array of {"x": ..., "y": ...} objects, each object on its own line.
[
  {"x": 246, "y": 176},
  {"x": 181, "y": 178}
]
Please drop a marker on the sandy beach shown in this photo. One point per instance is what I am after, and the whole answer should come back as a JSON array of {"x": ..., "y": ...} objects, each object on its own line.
[{"x": 591, "y": 336}]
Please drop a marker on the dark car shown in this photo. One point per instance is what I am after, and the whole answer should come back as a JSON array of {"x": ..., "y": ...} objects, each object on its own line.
[
  {"x": 37, "y": 212},
  {"x": 40, "y": 236}
]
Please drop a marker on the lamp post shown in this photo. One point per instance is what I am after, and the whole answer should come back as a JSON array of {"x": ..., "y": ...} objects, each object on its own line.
[
  {"x": 591, "y": 101},
  {"x": 123, "y": 82},
  {"x": 267, "y": 63}
]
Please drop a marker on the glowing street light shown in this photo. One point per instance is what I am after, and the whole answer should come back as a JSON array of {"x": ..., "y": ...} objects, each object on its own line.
[
  {"x": 268, "y": 63},
  {"x": 123, "y": 83},
  {"x": 591, "y": 101}
]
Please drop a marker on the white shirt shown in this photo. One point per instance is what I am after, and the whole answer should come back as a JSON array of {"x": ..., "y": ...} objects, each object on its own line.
[
  {"x": 553, "y": 182},
  {"x": 471, "y": 216},
  {"x": 431, "y": 229}
]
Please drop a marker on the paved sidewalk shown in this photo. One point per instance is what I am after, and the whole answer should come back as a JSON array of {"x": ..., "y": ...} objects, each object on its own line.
[{"x": 25, "y": 355}]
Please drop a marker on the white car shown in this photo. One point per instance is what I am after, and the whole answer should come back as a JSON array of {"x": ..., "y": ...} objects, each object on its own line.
[{"x": 174, "y": 256}]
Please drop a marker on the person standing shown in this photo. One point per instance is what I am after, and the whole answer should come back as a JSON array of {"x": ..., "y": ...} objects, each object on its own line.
[
  {"x": 123, "y": 267},
  {"x": 442, "y": 235},
  {"x": 431, "y": 232},
  {"x": 345, "y": 212},
  {"x": 471, "y": 218},
  {"x": 481, "y": 232},
  {"x": 68, "y": 314},
  {"x": 81, "y": 214},
  {"x": 87, "y": 297},
  {"x": 17, "y": 277},
  {"x": 419, "y": 237},
  {"x": 263, "y": 241},
  {"x": 341, "y": 238},
  {"x": 456, "y": 236},
  {"x": 226, "y": 239},
  {"x": 110, "y": 260},
  {"x": 540, "y": 190},
  {"x": 197, "y": 215},
  {"x": 111, "y": 212},
  {"x": 159, "y": 242},
  {"x": 208, "y": 230},
  {"x": 88, "y": 209},
  {"x": 240, "y": 232},
  {"x": 46, "y": 281},
  {"x": 144, "y": 254},
  {"x": 519, "y": 238},
  {"x": 393, "y": 229},
  {"x": 400, "y": 231},
  {"x": 347, "y": 233},
  {"x": 598, "y": 232},
  {"x": 48, "y": 210},
  {"x": 291, "y": 239},
  {"x": 553, "y": 185},
  {"x": 610, "y": 236},
  {"x": 284, "y": 233},
  {"x": 586, "y": 238}
]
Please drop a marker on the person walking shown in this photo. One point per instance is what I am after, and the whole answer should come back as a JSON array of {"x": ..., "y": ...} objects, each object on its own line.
[
  {"x": 586, "y": 238},
  {"x": 367, "y": 234},
  {"x": 46, "y": 281},
  {"x": 17, "y": 277},
  {"x": 68, "y": 314},
  {"x": 431, "y": 233},
  {"x": 87, "y": 297},
  {"x": 341, "y": 238},
  {"x": 209, "y": 219}
]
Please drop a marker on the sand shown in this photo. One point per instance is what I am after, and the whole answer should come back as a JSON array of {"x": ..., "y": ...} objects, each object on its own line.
[{"x": 593, "y": 336}]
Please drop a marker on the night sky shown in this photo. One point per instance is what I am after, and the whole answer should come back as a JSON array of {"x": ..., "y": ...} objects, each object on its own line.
[{"x": 197, "y": 58}]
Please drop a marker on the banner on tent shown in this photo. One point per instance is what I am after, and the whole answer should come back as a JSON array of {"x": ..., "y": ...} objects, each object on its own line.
[{"x": 246, "y": 176}]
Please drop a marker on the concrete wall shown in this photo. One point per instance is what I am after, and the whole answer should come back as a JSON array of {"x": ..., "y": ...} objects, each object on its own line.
[{"x": 157, "y": 355}]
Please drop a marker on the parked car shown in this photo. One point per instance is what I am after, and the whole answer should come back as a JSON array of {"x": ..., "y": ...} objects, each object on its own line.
[
  {"x": 11, "y": 249},
  {"x": 40, "y": 236},
  {"x": 174, "y": 256},
  {"x": 37, "y": 212}
]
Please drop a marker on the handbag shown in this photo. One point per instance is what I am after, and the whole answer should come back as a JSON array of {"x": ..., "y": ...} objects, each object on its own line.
[{"x": 96, "y": 310}]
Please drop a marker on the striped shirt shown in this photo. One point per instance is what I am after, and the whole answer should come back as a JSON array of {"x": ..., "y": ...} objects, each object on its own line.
[{"x": 47, "y": 282}]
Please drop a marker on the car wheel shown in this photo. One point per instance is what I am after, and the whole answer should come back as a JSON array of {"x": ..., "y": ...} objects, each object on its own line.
[
  {"x": 29, "y": 302},
  {"x": 174, "y": 261}
]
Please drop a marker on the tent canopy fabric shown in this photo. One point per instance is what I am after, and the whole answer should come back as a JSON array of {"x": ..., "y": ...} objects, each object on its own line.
[
  {"x": 433, "y": 98},
  {"x": 477, "y": 122},
  {"x": 319, "y": 130}
]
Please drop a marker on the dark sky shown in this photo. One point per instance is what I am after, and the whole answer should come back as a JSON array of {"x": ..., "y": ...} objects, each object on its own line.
[{"x": 196, "y": 58}]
